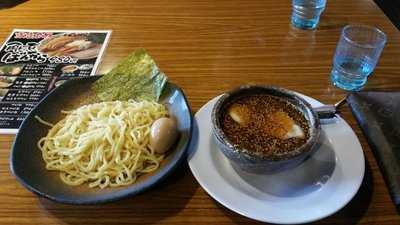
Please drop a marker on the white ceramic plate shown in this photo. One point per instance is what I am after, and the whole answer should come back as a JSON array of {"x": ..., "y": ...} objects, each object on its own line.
[{"x": 319, "y": 187}]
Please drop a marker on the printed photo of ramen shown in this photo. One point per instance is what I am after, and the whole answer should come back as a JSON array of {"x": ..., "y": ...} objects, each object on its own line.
[
  {"x": 11, "y": 70},
  {"x": 76, "y": 45},
  {"x": 6, "y": 81}
]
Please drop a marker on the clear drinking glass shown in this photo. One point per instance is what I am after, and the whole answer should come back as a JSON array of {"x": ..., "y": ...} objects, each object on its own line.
[
  {"x": 356, "y": 56},
  {"x": 306, "y": 13}
]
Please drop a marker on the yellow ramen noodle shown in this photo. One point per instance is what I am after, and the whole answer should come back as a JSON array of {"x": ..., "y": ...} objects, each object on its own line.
[{"x": 105, "y": 144}]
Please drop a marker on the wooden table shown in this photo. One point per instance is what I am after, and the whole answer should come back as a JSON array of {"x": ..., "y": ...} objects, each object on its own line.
[{"x": 207, "y": 47}]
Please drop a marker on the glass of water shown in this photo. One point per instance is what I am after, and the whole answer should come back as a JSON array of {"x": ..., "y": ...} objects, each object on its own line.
[
  {"x": 356, "y": 56},
  {"x": 306, "y": 13}
]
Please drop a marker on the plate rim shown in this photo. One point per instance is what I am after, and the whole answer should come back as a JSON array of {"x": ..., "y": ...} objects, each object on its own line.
[
  {"x": 240, "y": 212},
  {"x": 146, "y": 185}
]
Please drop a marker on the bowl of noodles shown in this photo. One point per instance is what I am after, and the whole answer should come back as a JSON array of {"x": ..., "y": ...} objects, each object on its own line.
[{"x": 78, "y": 153}]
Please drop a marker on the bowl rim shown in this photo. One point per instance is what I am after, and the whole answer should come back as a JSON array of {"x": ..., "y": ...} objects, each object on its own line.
[{"x": 236, "y": 92}]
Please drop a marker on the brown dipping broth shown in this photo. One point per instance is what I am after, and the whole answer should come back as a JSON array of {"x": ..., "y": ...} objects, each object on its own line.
[{"x": 255, "y": 133}]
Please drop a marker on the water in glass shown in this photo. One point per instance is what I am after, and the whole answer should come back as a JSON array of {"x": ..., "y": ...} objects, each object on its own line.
[{"x": 306, "y": 13}]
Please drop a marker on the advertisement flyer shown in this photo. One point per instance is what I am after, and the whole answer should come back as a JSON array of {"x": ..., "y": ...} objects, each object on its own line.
[{"x": 33, "y": 62}]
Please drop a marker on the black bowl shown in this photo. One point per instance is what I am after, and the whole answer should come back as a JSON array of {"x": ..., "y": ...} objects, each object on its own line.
[
  {"x": 29, "y": 168},
  {"x": 254, "y": 162}
]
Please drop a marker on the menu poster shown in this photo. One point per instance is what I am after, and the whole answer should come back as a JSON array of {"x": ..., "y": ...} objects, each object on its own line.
[{"x": 33, "y": 62}]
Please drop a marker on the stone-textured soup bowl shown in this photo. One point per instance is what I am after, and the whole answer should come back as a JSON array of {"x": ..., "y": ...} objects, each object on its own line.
[{"x": 254, "y": 162}]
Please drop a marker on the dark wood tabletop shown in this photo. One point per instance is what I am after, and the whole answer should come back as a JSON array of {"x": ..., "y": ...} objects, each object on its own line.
[{"x": 207, "y": 47}]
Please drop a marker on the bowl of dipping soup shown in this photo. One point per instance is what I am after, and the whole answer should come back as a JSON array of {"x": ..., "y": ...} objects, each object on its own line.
[{"x": 265, "y": 129}]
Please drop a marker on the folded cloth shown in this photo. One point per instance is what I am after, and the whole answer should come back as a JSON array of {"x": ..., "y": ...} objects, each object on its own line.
[{"x": 378, "y": 114}]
